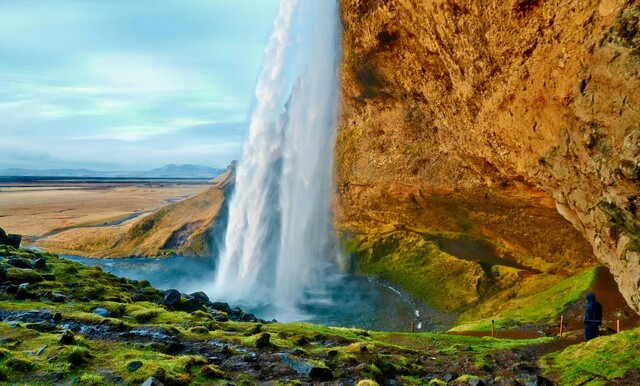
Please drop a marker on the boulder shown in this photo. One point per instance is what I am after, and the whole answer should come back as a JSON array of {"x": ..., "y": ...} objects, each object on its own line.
[
  {"x": 10, "y": 239},
  {"x": 220, "y": 306},
  {"x": 134, "y": 365},
  {"x": 172, "y": 298},
  {"x": 190, "y": 305},
  {"x": 307, "y": 369},
  {"x": 263, "y": 340},
  {"x": 22, "y": 275},
  {"x": 40, "y": 263},
  {"x": 14, "y": 240},
  {"x": 23, "y": 292},
  {"x": 57, "y": 297},
  {"x": 200, "y": 297},
  {"x": 19, "y": 262},
  {"x": 101, "y": 312},
  {"x": 151, "y": 381},
  {"x": 67, "y": 338}
]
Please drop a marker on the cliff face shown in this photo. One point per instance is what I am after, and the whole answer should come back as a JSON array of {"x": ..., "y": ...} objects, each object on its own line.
[{"x": 491, "y": 118}]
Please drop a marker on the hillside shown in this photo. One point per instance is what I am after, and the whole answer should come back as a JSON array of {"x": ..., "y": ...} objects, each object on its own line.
[
  {"x": 508, "y": 121},
  {"x": 184, "y": 227}
]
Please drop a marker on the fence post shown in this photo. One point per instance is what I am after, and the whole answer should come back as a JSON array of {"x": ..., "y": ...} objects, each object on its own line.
[
  {"x": 561, "y": 325},
  {"x": 413, "y": 326},
  {"x": 493, "y": 328},
  {"x": 618, "y": 326}
]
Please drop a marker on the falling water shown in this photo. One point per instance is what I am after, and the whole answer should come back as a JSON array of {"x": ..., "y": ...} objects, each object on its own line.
[{"x": 279, "y": 235}]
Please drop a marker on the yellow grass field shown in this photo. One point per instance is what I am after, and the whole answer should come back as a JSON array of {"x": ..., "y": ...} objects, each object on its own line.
[{"x": 34, "y": 211}]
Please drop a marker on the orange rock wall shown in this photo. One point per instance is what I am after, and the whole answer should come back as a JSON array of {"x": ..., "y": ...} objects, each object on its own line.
[{"x": 530, "y": 105}]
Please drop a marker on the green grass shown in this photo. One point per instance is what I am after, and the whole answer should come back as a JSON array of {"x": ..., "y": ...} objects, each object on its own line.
[
  {"x": 417, "y": 265},
  {"x": 597, "y": 362},
  {"x": 539, "y": 307}
]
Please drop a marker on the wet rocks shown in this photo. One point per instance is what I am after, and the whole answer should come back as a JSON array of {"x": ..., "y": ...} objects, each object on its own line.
[
  {"x": 68, "y": 338},
  {"x": 151, "y": 381},
  {"x": 21, "y": 275},
  {"x": 172, "y": 298},
  {"x": 134, "y": 365},
  {"x": 307, "y": 369},
  {"x": 21, "y": 365},
  {"x": 101, "y": 312},
  {"x": 19, "y": 262},
  {"x": 263, "y": 340},
  {"x": 12, "y": 240}
]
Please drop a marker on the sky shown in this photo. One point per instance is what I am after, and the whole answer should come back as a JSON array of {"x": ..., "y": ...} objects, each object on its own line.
[{"x": 128, "y": 84}]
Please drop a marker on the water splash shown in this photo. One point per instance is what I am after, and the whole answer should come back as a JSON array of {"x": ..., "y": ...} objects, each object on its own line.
[{"x": 279, "y": 233}]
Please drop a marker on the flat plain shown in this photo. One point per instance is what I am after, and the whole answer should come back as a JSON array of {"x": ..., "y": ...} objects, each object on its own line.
[{"x": 38, "y": 208}]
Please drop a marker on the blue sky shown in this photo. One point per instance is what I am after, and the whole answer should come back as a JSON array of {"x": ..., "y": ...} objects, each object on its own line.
[{"x": 128, "y": 84}]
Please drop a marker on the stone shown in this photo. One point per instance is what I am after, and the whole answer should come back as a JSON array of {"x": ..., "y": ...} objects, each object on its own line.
[
  {"x": 449, "y": 377},
  {"x": 23, "y": 292},
  {"x": 263, "y": 340},
  {"x": 200, "y": 297},
  {"x": 211, "y": 372},
  {"x": 41, "y": 350},
  {"x": 134, "y": 365},
  {"x": 220, "y": 306},
  {"x": 532, "y": 380},
  {"x": 101, "y": 312},
  {"x": 42, "y": 326},
  {"x": 297, "y": 352},
  {"x": 172, "y": 298},
  {"x": 151, "y": 381},
  {"x": 57, "y": 317},
  {"x": 17, "y": 364},
  {"x": 40, "y": 263},
  {"x": 22, "y": 275},
  {"x": 48, "y": 276},
  {"x": 475, "y": 381},
  {"x": 67, "y": 338},
  {"x": 321, "y": 373},
  {"x": 14, "y": 240},
  {"x": 19, "y": 262},
  {"x": 54, "y": 377},
  {"x": 57, "y": 297},
  {"x": 190, "y": 305}
]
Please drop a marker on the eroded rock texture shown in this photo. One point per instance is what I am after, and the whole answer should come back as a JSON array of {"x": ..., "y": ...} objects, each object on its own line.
[{"x": 490, "y": 117}]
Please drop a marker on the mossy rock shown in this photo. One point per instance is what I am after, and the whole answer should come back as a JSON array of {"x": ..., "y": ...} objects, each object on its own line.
[
  {"x": 19, "y": 364},
  {"x": 21, "y": 275}
]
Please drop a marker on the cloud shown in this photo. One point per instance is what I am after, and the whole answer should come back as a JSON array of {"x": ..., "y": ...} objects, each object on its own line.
[{"x": 151, "y": 81}]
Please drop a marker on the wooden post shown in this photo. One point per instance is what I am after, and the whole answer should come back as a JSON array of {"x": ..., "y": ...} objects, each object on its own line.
[
  {"x": 413, "y": 326},
  {"x": 617, "y": 326},
  {"x": 493, "y": 328},
  {"x": 561, "y": 325}
]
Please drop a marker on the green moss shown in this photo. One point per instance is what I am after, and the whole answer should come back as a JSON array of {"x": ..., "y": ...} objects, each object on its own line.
[
  {"x": 599, "y": 361},
  {"x": 532, "y": 304},
  {"x": 419, "y": 267}
]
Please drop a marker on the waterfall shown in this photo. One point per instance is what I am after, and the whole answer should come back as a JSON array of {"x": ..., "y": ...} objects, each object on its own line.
[{"x": 279, "y": 235}]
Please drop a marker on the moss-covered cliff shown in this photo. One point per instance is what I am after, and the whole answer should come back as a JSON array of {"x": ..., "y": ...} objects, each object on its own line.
[{"x": 499, "y": 119}]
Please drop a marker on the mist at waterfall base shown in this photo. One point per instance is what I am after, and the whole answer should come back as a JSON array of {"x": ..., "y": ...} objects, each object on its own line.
[
  {"x": 278, "y": 248},
  {"x": 349, "y": 301}
]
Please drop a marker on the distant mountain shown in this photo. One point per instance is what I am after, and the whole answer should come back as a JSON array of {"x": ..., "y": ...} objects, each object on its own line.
[{"x": 168, "y": 171}]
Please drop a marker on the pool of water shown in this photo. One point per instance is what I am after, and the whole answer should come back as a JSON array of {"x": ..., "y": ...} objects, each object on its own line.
[{"x": 348, "y": 300}]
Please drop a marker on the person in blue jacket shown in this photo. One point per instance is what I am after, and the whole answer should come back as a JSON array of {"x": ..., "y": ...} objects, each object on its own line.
[{"x": 592, "y": 317}]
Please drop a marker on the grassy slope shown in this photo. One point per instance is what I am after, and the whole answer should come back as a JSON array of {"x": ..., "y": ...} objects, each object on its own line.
[
  {"x": 600, "y": 361},
  {"x": 149, "y": 234},
  {"x": 508, "y": 295}
]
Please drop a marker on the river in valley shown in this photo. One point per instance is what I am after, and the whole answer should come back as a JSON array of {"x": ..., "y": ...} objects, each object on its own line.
[{"x": 347, "y": 301}]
